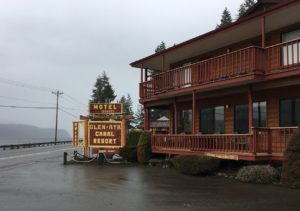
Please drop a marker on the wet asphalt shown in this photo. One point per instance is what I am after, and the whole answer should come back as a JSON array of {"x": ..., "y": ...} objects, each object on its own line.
[{"x": 39, "y": 181}]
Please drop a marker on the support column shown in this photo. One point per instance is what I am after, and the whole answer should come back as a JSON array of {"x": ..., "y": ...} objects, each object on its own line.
[
  {"x": 142, "y": 70},
  {"x": 250, "y": 107},
  {"x": 194, "y": 113},
  {"x": 263, "y": 32},
  {"x": 175, "y": 116},
  {"x": 86, "y": 137},
  {"x": 163, "y": 63}
]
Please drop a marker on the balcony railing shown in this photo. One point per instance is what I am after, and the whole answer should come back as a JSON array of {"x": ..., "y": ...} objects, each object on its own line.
[
  {"x": 228, "y": 66},
  {"x": 262, "y": 140}
]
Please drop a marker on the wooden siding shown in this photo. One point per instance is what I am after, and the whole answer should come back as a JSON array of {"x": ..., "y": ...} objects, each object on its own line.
[{"x": 271, "y": 96}]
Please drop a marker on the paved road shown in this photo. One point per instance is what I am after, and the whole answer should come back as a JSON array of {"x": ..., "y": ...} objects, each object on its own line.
[{"x": 35, "y": 179}]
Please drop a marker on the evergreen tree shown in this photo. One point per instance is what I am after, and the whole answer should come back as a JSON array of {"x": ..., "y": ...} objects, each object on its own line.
[
  {"x": 127, "y": 104},
  {"x": 127, "y": 107},
  {"x": 249, "y": 3},
  {"x": 242, "y": 10},
  {"x": 103, "y": 91},
  {"x": 159, "y": 48},
  {"x": 225, "y": 19},
  {"x": 123, "y": 101},
  {"x": 245, "y": 7},
  {"x": 139, "y": 115}
]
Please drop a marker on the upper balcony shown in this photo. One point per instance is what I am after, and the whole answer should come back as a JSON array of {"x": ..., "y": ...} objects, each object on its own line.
[{"x": 246, "y": 65}]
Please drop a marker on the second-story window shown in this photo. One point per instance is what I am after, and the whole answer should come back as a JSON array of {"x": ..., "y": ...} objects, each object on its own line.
[{"x": 291, "y": 51}]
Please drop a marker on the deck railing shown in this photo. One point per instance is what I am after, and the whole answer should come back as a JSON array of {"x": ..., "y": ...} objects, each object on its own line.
[
  {"x": 262, "y": 140},
  {"x": 283, "y": 56},
  {"x": 272, "y": 140},
  {"x": 235, "y": 64},
  {"x": 210, "y": 143}
]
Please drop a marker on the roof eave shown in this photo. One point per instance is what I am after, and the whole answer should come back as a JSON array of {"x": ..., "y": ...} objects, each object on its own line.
[{"x": 215, "y": 31}]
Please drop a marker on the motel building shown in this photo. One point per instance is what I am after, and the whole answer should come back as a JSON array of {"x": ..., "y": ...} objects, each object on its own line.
[{"x": 233, "y": 92}]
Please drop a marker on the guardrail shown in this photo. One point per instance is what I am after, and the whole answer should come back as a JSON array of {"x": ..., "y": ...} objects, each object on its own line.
[{"x": 29, "y": 145}]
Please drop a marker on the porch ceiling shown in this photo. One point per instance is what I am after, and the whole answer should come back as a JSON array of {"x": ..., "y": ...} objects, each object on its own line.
[{"x": 223, "y": 37}]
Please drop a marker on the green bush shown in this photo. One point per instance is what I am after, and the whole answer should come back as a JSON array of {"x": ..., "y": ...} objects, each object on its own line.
[
  {"x": 261, "y": 174},
  {"x": 291, "y": 162},
  {"x": 195, "y": 165},
  {"x": 133, "y": 138},
  {"x": 129, "y": 151},
  {"x": 144, "y": 148}
]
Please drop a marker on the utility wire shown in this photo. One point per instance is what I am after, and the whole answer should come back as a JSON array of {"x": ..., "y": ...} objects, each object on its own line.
[
  {"x": 22, "y": 99},
  {"x": 68, "y": 113},
  {"x": 25, "y": 85},
  {"x": 75, "y": 100},
  {"x": 31, "y": 107},
  {"x": 75, "y": 109}
]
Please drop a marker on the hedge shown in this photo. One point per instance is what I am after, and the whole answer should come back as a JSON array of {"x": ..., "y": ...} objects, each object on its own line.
[
  {"x": 144, "y": 148},
  {"x": 195, "y": 165},
  {"x": 291, "y": 162}
]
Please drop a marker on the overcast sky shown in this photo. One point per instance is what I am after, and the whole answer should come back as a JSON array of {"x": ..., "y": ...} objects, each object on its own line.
[{"x": 66, "y": 44}]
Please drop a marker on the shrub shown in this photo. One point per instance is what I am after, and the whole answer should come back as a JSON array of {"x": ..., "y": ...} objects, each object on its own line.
[
  {"x": 133, "y": 138},
  {"x": 291, "y": 161},
  {"x": 144, "y": 148},
  {"x": 261, "y": 174},
  {"x": 195, "y": 165},
  {"x": 130, "y": 150},
  {"x": 129, "y": 153}
]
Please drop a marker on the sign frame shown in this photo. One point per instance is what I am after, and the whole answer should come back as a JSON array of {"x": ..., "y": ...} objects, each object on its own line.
[
  {"x": 122, "y": 141},
  {"x": 117, "y": 113},
  {"x": 83, "y": 143}
]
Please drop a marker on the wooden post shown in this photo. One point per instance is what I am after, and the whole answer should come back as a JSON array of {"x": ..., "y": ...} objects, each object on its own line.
[
  {"x": 194, "y": 113},
  {"x": 263, "y": 32},
  {"x": 65, "y": 158},
  {"x": 163, "y": 63},
  {"x": 254, "y": 139},
  {"x": 142, "y": 70},
  {"x": 86, "y": 137},
  {"x": 123, "y": 135},
  {"x": 175, "y": 117},
  {"x": 269, "y": 141},
  {"x": 250, "y": 107}
]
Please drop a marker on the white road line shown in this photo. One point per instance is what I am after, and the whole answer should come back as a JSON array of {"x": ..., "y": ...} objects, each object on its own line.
[{"x": 32, "y": 154}]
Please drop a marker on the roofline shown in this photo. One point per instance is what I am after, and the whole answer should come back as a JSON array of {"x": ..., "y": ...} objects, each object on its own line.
[{"x": 215, "y": 31}]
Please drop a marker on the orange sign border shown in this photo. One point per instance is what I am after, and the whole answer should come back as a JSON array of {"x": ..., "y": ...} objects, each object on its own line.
[
  {"x": 78, "y": 131},
  {"x": 122, "y": 124},
  {"x": 106, "y": 104}
]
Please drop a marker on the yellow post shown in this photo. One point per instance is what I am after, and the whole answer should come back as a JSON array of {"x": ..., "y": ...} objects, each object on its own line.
[
  {"x": 123, "y": 133},
  {"x": 86, "y": 136}
]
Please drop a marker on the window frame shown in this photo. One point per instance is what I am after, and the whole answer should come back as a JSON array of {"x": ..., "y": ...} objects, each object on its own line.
[
  {"x": 213, "y": 120},
  {"x": 293, "y": 112}
]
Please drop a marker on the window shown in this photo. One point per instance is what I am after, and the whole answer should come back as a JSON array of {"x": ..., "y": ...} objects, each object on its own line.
[
  {"x": 260, "y": 114},
  {"x": 182, "y": 78},
  {"x": 185, "y": 121},
  {"x": 241, "y": 119},
  {"x": 291, "y": 52},
  {"x": 290, "y": 112},
  {"x": 212, "y": 120}
]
